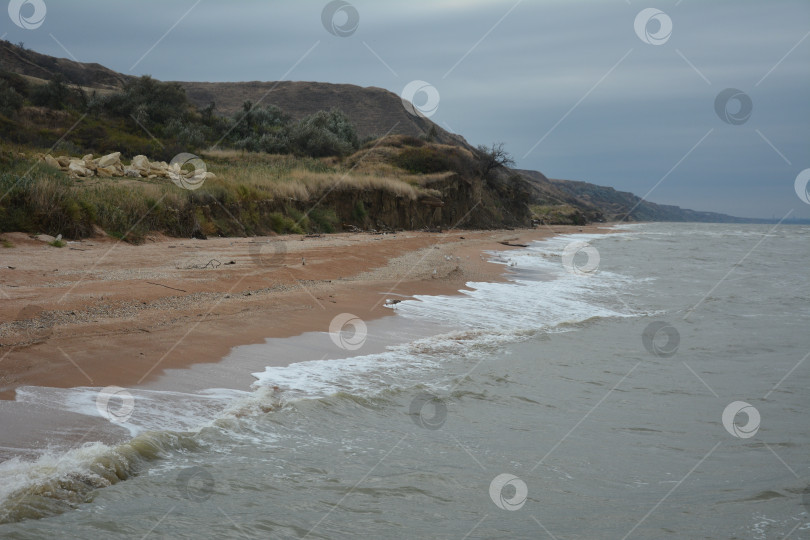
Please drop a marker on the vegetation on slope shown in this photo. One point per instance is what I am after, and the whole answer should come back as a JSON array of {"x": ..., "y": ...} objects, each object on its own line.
[
  {"x": 257, "y": 193},
  {"x": 73, "y": 108},
  {"x": 272, "y": 174},
  {"x": 155, "y": 118}
]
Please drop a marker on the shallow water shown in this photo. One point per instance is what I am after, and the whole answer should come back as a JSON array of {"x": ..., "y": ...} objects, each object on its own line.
[{"x": 600, "y": 394}]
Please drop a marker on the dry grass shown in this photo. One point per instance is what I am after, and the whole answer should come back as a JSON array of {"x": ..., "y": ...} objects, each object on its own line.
[
  {"x": 303, "y": 179},
  {"x": 303, "y": 185},
  {"x": 48, "y": 200}
]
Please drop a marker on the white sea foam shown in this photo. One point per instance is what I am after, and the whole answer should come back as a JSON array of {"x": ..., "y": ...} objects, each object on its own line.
[
  {"x": 488, "y": 315},
  {"x": 540, "y": 297},
  {"x": 151, "y": 410},
  {"x": 18, "y": 474}
]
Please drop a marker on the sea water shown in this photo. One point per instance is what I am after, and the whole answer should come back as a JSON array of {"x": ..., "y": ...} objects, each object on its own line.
[{"x": 649, "y": 383}]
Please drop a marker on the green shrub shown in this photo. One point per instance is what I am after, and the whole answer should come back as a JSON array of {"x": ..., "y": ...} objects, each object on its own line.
[
  {"x": 427, "y": 160},
  {"x": 282, "y": 224},
  {"x": 324, "y": 133},
  {"x": 431, "y": 134},
  {"x": 252, "y": 121},
  {"x": 323, "y": 220},
  {"x": 10, "y": 100},
  {"x": 188, "y": 135},
  {"x": 274, "y": 143},
  {"x": 359, "y": 213},
  {"x": 54, "y": 95},
  {"x": 17, "y": 82},
  {"x": 300, "y": 218},
  {"x": 150, "y": 101}
]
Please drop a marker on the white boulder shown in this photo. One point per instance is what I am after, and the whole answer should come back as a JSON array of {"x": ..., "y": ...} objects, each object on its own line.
[{"x": 109, "y": 160}]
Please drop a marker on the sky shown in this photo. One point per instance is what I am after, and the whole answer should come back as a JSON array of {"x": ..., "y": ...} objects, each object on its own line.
[{"x": 626, "y": 93}]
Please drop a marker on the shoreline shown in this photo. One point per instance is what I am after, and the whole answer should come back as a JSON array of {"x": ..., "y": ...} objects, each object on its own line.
[{"x": 167, "y": 304}]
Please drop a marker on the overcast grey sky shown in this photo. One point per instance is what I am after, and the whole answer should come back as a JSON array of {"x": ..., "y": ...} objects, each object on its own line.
[{"x": 571, "y": 87}]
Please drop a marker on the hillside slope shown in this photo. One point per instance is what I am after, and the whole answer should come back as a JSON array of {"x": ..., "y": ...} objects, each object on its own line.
[
  {"x": 602, "y": 203},
  {"x": 41, "y": 66},
  {"x": 373, "y": 111}
]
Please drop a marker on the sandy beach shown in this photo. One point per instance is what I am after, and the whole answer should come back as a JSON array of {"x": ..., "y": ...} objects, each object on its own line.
[{"x": 103, "y": 312}]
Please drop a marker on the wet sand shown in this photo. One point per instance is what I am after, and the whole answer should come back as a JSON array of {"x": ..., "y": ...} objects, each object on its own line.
[{"x": 102, "y": 312}]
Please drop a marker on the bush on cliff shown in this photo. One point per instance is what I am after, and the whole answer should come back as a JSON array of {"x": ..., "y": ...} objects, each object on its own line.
[
  {"x": 324, "y": 133},
  {"x": 431, "y": 159},
  {"x": 150, "y": 102},
  {"x": 10, "y": 100}
]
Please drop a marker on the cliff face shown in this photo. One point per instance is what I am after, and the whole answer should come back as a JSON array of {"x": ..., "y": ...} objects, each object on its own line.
[
  {"x": 460, "y": 203},
  {"x": 394, "y": 183},
  {"x": 450, "y": 191}
]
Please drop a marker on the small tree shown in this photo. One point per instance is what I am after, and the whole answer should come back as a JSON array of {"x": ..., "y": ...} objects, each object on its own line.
[
  {"x": 431, "y": 134},
  {"x": 493, "y": 157},
  {"x": 207, "y": 113},
  {"x": 149, "y": 100},
  {"x": 256, "y": 121},
  {"x": 54, "y": 95},
  {"x": 324, "y": 133}
]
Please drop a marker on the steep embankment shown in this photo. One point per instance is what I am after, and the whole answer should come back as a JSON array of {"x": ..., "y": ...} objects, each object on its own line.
[{"x": 396, "y": 183}]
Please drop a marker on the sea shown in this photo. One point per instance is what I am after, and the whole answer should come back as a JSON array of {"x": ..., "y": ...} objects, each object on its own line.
[{"x": 651, "y": 382}]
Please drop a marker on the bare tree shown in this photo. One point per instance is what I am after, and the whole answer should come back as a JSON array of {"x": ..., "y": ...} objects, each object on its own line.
[{"x": 493, "y": 157}]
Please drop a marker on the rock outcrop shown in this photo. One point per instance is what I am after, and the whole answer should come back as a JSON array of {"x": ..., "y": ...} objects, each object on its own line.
[{"x": 111, "y": 166}]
